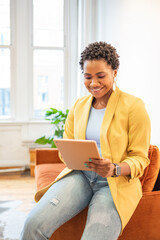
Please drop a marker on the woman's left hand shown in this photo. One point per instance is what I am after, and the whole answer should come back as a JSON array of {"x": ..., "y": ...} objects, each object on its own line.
[{"x": 103, "y": 167}]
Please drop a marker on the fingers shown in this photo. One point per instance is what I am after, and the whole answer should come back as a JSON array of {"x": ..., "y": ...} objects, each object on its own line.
[
  {"x": 100, "y": 166},
  {"x": 93, "y": 167},
  {"x": 101, "y": 161},
  {"x": 98, "y": 169}
]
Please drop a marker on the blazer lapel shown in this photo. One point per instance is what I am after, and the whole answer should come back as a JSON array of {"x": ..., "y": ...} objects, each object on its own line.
[
  {"x": 109, "y": 113},
  {"x": 83, "y": 117}
]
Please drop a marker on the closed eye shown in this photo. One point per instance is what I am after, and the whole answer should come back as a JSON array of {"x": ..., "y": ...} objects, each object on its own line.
[{"x": 101, "y": 76}]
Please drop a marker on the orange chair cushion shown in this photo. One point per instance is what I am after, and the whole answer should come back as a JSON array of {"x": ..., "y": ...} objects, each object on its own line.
[
  {"x": 151, "y": 171},
  {"x": 46, "y": 173}
]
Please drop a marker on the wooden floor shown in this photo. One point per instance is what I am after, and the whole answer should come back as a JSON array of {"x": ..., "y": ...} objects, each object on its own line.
[{"x": 18, "y": 186}]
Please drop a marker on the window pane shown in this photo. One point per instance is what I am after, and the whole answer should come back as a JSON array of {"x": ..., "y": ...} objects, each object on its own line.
[
  {"x": 48, "y": 23},
  {"x": 48, "y": 80},
  {"x": 4, "y": 82},
  {"x": 4, "y": 22}
]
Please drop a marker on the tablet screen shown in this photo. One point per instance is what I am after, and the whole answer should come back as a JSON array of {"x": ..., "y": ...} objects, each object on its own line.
[{"x": 76, "y": 152}]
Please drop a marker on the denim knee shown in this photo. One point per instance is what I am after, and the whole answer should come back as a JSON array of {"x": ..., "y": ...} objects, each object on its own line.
[
  {"x": 101, "y": 231},
  {"x": 31, "y": 229}
]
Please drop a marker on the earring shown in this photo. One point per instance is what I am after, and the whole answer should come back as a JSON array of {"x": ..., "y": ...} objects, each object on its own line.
[{"x": 114, "y": 84}]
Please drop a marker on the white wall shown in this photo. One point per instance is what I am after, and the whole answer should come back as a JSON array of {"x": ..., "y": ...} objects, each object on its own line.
[
  {"x": 133, "y": 27},
  {"x": 17, "y": 138}
]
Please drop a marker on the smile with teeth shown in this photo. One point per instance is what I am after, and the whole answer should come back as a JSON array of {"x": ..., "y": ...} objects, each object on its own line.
[{"x": 96, "y": 89}]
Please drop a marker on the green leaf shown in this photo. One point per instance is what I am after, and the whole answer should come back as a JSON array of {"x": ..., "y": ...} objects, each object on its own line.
[
  {"x": 56, "y": 118},
  {"x": 41, "y": 140},
  {"x": 56, "y": 121},
  {"x": 53, "y": 145},
  {"x": 54, "y": 110},
  {"x": 59, "y": 133},
  {"x": 48, "y": 113}
]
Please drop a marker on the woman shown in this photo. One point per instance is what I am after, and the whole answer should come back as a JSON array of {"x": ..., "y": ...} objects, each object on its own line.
[{"x": 121, "y": 127}]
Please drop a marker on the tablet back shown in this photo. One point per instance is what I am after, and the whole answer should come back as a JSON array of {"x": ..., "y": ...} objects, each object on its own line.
[{"x": 76, "y": 152}]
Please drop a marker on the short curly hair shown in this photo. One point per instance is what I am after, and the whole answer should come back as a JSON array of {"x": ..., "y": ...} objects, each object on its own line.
[{"x": 100, "y": 50}]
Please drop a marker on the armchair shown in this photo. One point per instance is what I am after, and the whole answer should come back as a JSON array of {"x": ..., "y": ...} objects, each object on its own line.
[{"x": 144, "y": 223}]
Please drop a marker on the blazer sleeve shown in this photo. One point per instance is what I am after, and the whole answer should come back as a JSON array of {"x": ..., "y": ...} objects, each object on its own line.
[
  {"x": 69, "y": 127},
  {"x": 139, "y": 139},
  {"x": 69, "y": 124}
]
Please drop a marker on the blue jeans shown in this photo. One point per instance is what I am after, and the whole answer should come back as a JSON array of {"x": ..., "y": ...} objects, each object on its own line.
[{"x": 65, "y": 199}]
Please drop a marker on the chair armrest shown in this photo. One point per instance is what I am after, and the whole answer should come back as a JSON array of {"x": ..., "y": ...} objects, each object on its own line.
[
  {"x": 46, "y": 173},
  {"x": 145, "y": 221},
  {"x": 47, "y": 155}
]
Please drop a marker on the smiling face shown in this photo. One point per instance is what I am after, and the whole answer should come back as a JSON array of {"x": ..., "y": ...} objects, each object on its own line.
[{"x": 99, "y": 78}]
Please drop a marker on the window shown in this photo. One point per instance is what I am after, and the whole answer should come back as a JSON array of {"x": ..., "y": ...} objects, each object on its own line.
[
  {"x": 48, "y": 55},
  {"x": 36, "y": 38},
  {"x": 5, "y": 52}
]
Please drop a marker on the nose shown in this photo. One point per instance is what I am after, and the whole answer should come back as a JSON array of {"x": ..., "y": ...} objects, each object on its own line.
[{"x": 94, "y": 82}]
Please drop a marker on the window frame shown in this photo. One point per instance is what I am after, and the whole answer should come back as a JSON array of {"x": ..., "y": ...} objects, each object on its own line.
[
  {"x": 33, "y": 48},
  {"x": 10, "y": 47},
  {"x": 21, "y": 48}
]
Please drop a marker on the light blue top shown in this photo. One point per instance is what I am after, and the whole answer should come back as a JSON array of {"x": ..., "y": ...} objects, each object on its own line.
[
  {"x": 94, "y": 125},
  {"x": 93, "y": 133}
]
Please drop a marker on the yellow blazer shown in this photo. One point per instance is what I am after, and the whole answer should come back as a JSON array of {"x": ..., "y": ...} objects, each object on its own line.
[{"x": 124, "y": 137}]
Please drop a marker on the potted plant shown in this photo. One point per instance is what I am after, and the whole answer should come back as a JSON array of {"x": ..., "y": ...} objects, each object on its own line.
[{"x": 57, "y": 118}]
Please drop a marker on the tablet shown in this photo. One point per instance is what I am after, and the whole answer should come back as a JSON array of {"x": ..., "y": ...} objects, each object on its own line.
[{"x": 76, "y": 152}]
